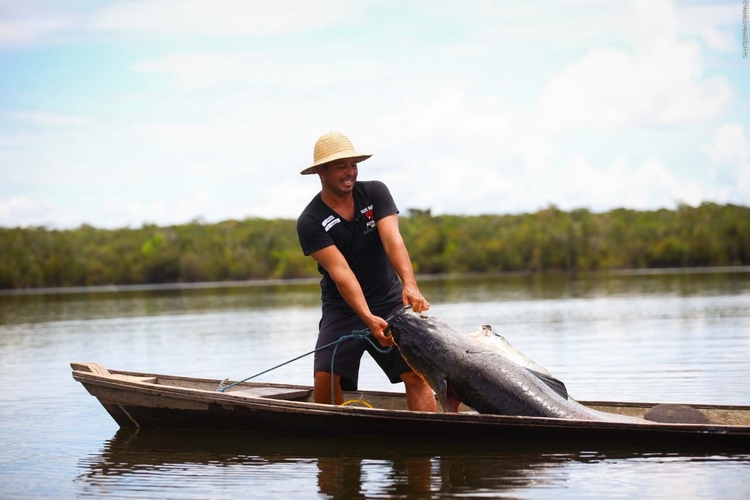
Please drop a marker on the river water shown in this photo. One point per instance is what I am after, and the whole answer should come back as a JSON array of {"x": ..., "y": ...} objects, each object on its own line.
[{"x": 655, "y": 337}]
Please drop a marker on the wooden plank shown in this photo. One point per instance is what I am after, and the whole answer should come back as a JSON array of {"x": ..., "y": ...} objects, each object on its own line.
[
  {"x": 94, "y": 368},
  {"x": 270, "y": 392},
  {"x": 131, "y": 378}
]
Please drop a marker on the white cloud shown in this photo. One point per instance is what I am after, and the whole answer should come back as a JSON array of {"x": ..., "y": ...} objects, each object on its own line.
[
  {"x": 730, "y": 163},
  {"x": 576, "y": 23},
  {"x": 448, "y": 123},
  {"x": 569, "y": 23},
  {"x": 7, "y": 140},
  {"x": 198, "y": 203},
  {"x": 208, "y": 68},
  {"x": 577, "y": 183},
  {"x": 648, "y": 186},
  {"x": 48, "y": 118},
  {"x": 43, "y": 21},
  {"x": 573, "y": 183},
  {"x": 653, "y": 21},
  {"x": 517, "y": 171},
  {"x": 225, "y": 18},
  {"x": 284, "y": 198},
  {"x": 225, "y": 136},
  {"x": 162, "y": 212},
  {"x": 730, "y": 145},
  {"x": 550, "y": 25},
  {"x": 662, "y": 83},
  {"x": 612, "y": 89},
  {"x": 23, "y": 211},
  {"x": 714, "y": 25},
  {"x": 557, "y": 35},
  {"x": 22, "y": 32},
  {"x": 225, "y": 146}
]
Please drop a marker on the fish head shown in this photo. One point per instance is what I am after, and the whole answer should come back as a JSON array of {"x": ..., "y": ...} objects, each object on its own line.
[
  {"x": 413, "y": 330},
  {"x": 400, "y": 322},
  {"x": 421, "y": 337}
]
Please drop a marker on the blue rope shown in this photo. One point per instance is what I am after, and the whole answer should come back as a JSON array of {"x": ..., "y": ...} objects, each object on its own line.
[{"x": 354, "y": 335}]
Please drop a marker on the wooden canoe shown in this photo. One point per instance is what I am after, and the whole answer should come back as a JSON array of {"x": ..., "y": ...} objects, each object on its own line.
[{"x": 145, "y": 400}]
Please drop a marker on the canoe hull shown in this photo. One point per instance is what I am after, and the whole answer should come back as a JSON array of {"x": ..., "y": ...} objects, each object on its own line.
[{"x": 185, "y": 403}]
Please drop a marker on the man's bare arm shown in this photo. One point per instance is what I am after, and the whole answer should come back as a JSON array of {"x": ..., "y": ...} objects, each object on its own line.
[
  {"x": 335, "y": 263},
  {"x": 395, "y": 249}
]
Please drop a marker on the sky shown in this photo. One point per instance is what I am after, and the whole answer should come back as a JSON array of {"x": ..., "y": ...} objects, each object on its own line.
[{"x": 118, "y": 113}]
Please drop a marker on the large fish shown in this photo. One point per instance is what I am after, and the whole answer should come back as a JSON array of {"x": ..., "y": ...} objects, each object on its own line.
[{"x": 460, "y": 370}]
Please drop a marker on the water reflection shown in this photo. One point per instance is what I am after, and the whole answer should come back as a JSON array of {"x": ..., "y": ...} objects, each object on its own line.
[
  {"x": 161, "y": 460},
  {"x": 28, "y": 306},
  {"x": 150, "y": 464},
  {"x": 626, "y": 283},
  {"x": 97, "y": 303}
]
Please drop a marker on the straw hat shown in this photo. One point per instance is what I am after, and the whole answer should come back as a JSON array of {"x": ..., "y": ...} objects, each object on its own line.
[{"x": 330, "y": 147}]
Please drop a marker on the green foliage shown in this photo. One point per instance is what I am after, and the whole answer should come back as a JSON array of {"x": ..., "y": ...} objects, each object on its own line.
[
  {"x": 231, "y": 250},
  {"x": 550, "y": 239}
]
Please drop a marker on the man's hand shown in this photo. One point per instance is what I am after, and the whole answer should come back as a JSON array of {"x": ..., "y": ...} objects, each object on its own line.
[
  {"x": 376, "y": 325},
  {"x": 412, "y": 296}
]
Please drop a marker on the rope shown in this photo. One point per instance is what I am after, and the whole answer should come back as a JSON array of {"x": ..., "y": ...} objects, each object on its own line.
[
  {"x": 356, "y": 401},
  {"x": 354, "y": 335}
]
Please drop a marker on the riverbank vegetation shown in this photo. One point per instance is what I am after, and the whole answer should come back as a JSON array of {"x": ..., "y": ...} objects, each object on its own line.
[{"x": 550, "y": 239}]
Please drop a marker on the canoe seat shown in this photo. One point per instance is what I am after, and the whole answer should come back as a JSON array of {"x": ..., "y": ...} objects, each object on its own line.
[{"x": 271, "y": 392}]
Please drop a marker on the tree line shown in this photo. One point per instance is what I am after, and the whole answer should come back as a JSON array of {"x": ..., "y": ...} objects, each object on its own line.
[{"x": 547, "y": 240}]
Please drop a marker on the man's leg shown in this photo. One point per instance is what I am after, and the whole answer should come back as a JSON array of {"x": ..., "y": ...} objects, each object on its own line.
[
  {"x": 347, "y": 357},
  {"x": 419, "y": 395},
  {"x": 322, "y": 388}
]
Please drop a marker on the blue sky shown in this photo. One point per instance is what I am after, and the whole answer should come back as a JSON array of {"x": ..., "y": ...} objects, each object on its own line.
[{"x": 119, "y": 113}]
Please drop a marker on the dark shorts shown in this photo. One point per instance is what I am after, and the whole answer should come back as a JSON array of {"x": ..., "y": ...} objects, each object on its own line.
[{"x": 335, "y": 325}]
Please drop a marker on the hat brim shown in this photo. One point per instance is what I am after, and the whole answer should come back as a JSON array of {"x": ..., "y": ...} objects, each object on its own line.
[{"x": 337, "y": 156}]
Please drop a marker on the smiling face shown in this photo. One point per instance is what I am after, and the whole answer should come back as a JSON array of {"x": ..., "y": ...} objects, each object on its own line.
[{"x": 338, "y": 177}]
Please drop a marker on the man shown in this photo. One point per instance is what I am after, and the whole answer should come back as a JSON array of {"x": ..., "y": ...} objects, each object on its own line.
[{"x": 351, "y": 229}]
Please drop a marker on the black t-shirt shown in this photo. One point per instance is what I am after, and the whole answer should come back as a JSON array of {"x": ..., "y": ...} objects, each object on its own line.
[{"x": 319, "y": 227}]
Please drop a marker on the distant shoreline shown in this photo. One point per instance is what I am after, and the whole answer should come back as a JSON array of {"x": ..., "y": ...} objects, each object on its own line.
[
  {"x": 208, "y": 285},
  {"x": 257, "y": 252}
]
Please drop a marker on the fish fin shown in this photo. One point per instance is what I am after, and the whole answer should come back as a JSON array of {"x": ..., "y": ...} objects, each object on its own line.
[
  {"x": 441, "y": 392},
  {"x": 446, "y": 396},
  {"x": 451, "y": 404},
  {"x": 555, "y": 384}
]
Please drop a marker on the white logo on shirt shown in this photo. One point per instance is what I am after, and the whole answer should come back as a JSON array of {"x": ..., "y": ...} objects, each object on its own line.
[{"x": 330, "y": 222}]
